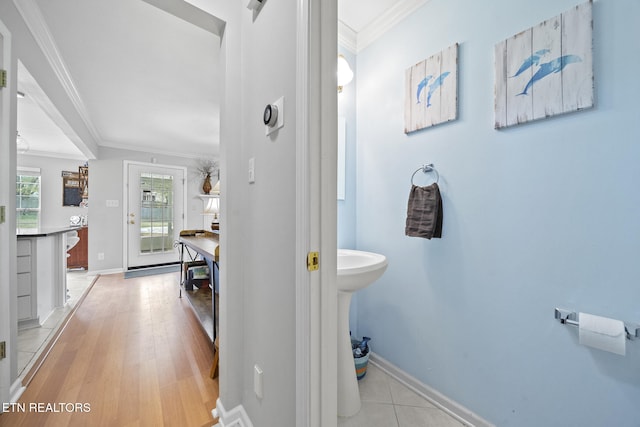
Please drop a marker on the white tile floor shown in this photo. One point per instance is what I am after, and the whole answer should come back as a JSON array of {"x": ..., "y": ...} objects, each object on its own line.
[
  {"x": 388, "y": 403},
  {"x": 32, "y": 341}
]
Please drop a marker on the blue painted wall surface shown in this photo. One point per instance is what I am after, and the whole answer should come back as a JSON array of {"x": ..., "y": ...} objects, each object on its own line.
[
  {"x": 347, "y": 207},
  {"x": 536, "y": 216}
]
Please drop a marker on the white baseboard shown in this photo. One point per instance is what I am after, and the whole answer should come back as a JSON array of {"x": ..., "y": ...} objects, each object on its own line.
[
  {"x": 451, "y": 407},
  {"x": 105, "y": 272},
  {"x": 28, "y": 324},
  {"x": 236, "y": 417},
  {"x": 16, "y": 390}
]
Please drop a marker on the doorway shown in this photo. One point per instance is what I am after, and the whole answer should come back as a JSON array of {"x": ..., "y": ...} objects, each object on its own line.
[{"x": 154, "y": 213}]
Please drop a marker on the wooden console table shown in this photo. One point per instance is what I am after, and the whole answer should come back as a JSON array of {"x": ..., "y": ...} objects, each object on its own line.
[{"x": 206, "y": 245}]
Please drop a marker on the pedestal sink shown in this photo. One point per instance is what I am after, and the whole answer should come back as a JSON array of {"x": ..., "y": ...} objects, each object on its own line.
[{"x": 356, "y": 270}]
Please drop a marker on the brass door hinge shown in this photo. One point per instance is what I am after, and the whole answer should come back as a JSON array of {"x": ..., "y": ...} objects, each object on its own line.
[
  {"x": 3, "y": 78},
  {"x": 313, "y": 261},
  {"x": 3, "y": 350}
]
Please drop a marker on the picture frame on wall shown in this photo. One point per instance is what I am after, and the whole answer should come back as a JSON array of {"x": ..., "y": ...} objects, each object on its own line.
[
  {"x": 431, "y": 91},
  {"x": 71, "y": 193},
  {"x": 545, "y": 70}
]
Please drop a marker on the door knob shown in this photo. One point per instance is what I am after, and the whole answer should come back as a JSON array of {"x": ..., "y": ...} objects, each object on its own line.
[
  {"x": 132, "y": 222},
  {"x": 132, "y": 215}
]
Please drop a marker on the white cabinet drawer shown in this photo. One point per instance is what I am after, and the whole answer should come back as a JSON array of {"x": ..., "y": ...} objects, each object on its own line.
[
  {"x": 24, "y": 247},
  {"x": 24, "y": 308},
  {"x": 24, "y": 264},
  {"x": 24, "y": 284}
]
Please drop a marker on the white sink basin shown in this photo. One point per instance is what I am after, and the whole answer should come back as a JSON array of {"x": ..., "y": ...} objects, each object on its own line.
[{"x": 358, "y": 269}]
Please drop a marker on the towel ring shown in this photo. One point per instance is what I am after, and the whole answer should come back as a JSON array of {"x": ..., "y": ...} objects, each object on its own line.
[{"x": 426, "y": 169}]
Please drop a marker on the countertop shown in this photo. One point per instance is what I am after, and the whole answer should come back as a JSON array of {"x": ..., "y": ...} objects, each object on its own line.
[{"x": 44, "y": 231}]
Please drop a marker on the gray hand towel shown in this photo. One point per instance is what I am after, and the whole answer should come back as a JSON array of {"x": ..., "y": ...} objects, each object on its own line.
[{"x": 424, "y": 212}]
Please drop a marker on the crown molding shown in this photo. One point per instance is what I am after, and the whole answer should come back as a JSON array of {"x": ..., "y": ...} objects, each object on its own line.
[
  {"x": 347, "y": 37},
  {"x": 34, "y": 20},
  {"x": 378, "y": 26}
]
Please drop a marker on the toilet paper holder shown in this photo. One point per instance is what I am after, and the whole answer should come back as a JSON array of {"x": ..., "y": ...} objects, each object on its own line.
[{"x": 569, "y": 317}]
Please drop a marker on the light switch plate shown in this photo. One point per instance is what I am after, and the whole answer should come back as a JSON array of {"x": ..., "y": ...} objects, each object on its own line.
[
  {"x": 252, "y": 170},
  {"x": 257, "y": 381}
]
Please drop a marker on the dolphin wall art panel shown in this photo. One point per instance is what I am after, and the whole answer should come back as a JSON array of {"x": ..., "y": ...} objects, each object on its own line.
[
  {"x": 431, "y": 91},
  {"x": 545, "y": 70}
]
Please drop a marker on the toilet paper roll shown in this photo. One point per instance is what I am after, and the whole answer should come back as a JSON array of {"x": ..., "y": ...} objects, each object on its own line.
[{"x": 602, "y": 333}]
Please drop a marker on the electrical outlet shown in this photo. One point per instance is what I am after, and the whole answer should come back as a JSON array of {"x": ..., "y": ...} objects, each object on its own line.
[{"x": 100, "y": 256}]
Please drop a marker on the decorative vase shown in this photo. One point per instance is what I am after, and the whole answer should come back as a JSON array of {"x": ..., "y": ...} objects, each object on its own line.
[{"x": 206, "y": 186}]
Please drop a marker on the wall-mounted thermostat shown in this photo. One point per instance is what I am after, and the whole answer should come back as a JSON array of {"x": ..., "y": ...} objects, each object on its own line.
[
  {"x": 273, "y": 116},
  {"x": 270, "y": 115}
]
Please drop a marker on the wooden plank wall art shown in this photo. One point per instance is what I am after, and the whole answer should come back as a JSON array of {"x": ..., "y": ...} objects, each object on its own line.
[
  {"x": 431, "y": 91},
  {"x": 545, "y": 70}
]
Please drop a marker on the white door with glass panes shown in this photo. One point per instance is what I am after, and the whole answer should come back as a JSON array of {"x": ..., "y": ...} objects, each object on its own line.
[{"x": 155, "y": 213}]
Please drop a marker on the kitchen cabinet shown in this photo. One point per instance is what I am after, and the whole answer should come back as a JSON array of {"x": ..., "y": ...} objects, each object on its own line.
[{"x": 78, "y": 255}]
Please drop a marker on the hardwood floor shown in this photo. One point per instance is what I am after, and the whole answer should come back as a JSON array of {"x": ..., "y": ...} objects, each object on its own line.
[{"x": 133, "y": 354}]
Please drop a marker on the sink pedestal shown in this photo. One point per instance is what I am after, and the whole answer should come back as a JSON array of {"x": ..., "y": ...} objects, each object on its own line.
[
  {"x": 348, "y": 391},
  {"x": 356, "y": 271}
]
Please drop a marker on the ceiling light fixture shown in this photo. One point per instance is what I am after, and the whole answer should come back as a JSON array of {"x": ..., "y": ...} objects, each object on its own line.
[
  {"x": 22, "y": 145},
  {"x": 345, "y": 74}
]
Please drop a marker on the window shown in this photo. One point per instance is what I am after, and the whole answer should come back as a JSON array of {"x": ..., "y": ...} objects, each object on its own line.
[
  {"x": 156, "y": 213},
  {"x": 28, "y": 198}
]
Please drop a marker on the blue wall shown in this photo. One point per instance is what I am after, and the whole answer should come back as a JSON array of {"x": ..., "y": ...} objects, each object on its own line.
[
  {"x": 347, "y": 207},
  {"x": 536, "y": 216}
]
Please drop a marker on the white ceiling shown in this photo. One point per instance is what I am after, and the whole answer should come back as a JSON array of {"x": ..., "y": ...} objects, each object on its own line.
[
  {"x": 144, "y": 79},
  {"x": 38, "y": 121}
]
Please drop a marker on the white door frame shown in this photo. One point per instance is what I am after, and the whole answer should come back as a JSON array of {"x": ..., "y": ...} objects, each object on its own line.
[
  {"x": 316, "y": 225},
  {"x": 125, "y": 202},
  {"x": 5, "y": 253},
  {"x": 9, "y": 392}
]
